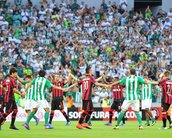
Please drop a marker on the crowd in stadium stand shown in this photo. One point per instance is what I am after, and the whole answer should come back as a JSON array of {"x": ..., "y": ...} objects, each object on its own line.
[{"x": 57, "y": 36}]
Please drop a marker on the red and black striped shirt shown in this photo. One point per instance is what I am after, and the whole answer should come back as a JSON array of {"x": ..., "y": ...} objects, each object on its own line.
[
  {"x": 56, "y": 92},
  {"x": 1, "y": 87},
  {"x": 86, "y": 87},
  {"x": 166, "y": 88},
  {"x": 117, "y": 91},
  {"x": 10, "y": 84}
]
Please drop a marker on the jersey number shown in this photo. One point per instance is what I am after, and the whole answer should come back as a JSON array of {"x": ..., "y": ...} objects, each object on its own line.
[
  {"x": 85, "y": 85},
  {"x": 169, "y": 90}
]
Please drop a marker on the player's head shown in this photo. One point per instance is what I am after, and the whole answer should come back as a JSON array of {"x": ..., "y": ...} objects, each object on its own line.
[
  {"x": 103, "y": 89},
  {"x": 42, "y": 73},
  {"x": 116, "y": 78},
  {"x": 57, "y": 77},
  {"x": 89, "y": 70},
  {"x": 13, "y": 72},
  {"x": 84, "y": 75},
  {"x": 167, "y": 74},
  {"x": 28, "y": 78},
  {"x": 132, "y": 72},
  {"x": 1, "y": 75}
]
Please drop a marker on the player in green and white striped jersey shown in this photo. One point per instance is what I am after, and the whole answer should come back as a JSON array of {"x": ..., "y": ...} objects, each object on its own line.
[
  {"x": 40, "y": 84},
  {"x": 28, "y": 96},
  {"x": 131, "y": 83},
  {"x": 147, "y": 101}
]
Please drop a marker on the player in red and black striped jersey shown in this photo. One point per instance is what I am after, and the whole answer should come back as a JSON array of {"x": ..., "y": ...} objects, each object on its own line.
[
  {"x": 117, "y": 91},
  {"x": 166, "y": 101},
  {"x": 1, "y": 93},
  {"x": 87, "y": 83},
  {"x": 57, "y": 98},
  {"x": 10, "y": 84}
]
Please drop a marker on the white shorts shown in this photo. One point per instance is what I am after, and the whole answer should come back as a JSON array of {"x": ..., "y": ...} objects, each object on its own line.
[
  {"x": 27, "y": 105},
  {"x": 147, "y": 103},
  {"x": 39, "y": 103},
  {"x": 134, "y": 104}
]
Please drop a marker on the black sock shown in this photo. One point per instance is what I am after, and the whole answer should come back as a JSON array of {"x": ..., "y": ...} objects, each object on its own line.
[
  {"x": 88, "y": 116},
  {"x": 65, "y": 115},
  {"x": 13, "y": 117},
  {"x": 164, "y": 122},
  {"x": 51, "y": 117},
  {"x": 110, "y": 116},
  {"x": 123, "y": 120},
  {"x": 82, "y": 117},
  {"x": 169, "y": 119}
]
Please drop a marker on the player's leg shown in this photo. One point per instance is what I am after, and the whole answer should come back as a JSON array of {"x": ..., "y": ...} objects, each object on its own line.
[
  {"x": 165, "y": 107},
  {"x": 143, "y": 105},
  {"x": 1, "y": 106},
  {"x": 147, "y": 118},
  {"x": 28, "y": 111},
  {"x": 31, "y": 114},
  {"x": 149, "y": 104},
  {"x": 66, "y": 116},
  {"x": 13, "y": 116},
  {"x": 83, "y": 115},
  {"x": 126, "y": 104},
  {"x": 169, "y": 118},
  {"x": 34, "y": 106},
  {"x": 88, "y": 116},
  {"x": 54, "y": 106},
  {"x": 118, "y": 109},
  {"x": 64, "y": 113},
  {"x": 44, "y": 104},
  {"x": 136, "y": 107},
  {"x": 8, "y": 110},
  {"x": 46, "y": 115},
  {"x": 113, "y": 107},
  {"x": 51, "y": 116}
]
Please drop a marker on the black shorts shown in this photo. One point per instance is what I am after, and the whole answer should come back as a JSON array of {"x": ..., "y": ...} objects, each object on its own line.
[
  {"x": 10, "y": 106},
  {"x": 57, "y": 104},
  {"x": 165, "y": 107},
  {"x": 87, "y": 105},
  {"x": 116, "y": 105}
]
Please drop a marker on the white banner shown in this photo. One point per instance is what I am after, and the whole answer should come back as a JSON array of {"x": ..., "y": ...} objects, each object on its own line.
[{"x": 21, "y": 115}]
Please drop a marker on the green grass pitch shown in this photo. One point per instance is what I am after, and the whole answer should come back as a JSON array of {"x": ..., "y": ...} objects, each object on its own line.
[{"x": 98, "y": 131}]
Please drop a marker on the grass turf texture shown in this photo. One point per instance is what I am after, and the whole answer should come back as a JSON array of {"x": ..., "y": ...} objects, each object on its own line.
[{"x": 98, "y": 131}]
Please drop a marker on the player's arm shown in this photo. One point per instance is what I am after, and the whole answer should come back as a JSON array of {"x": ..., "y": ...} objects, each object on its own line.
[
  {"x": 100, "y": 78},
  {"x": 27, "y": 87},
  {"x": 69, "y": 76},
  {"x": 20, "y": 80},
  {"x": 115, "y": 83},
  {"x": 73, "y": 77},
  {"x": 71, "y": 86},
  {"x": 56, "y": 87},
  {"x": 17, "y": 91},
  {"x": 102, "y": 85},
  {"x": 151, "y": 82}
]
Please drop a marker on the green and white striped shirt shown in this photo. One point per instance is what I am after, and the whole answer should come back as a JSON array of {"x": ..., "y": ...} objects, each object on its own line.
[
  {"x": 40, "y": 84},
  {"x": 146, "y": 91},
  {"x": 132, "y": 87},
  {"x": 30, "y": 91}
]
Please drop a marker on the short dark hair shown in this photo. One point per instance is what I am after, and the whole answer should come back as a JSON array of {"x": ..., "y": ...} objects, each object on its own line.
[
  {"x": 28, "y": 76},
  {"x": 87, "y": 69},
  {"x": 42, "y": 73},
  {"x": 1, "y": 72},
  {"x": 13, "y": 70},
  {"x": 132, "y": 71}
]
